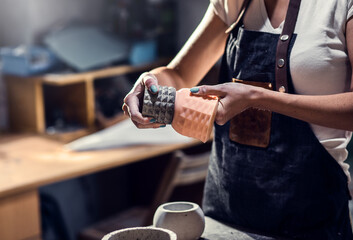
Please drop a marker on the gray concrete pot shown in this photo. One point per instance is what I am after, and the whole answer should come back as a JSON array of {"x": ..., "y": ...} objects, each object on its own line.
[
  {"x": 186, "y": 219},
  {"x": 161, "y": 105},
  {"x": 141, "y": 233}
]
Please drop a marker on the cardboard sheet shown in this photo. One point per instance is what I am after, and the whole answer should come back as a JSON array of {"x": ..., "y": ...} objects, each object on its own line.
[
  {"x": 125, "y": 134},
  {"x": 85, "y": 47}
]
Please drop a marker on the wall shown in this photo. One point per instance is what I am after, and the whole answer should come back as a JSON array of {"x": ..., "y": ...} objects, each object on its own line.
[
  {"x": 21, "y": 21},
  {"x": 3, "y": 109},
  {"x": 24, "y": 21},
  {"x": 190, "y": 14}
]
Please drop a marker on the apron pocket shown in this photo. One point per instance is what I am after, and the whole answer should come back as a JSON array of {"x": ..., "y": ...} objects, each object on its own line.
[{"x": 253, "y": 126}]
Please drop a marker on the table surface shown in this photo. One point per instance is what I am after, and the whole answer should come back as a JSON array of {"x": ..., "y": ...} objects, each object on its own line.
[
  {"x": 215, "y": 230},
  {"x": 30, "y": 161}
]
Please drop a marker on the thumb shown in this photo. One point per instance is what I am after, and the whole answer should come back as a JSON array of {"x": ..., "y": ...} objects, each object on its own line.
[
  {"x": 150, "y": 81},
  {"x": 215, "y": 90}
]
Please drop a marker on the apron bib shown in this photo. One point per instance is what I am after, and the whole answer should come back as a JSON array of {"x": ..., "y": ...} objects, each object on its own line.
[{"x": 292, "y": 188}]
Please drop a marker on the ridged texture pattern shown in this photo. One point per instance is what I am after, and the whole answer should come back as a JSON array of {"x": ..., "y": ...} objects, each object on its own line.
[
  {"x": 194, "y": 115},
  {"x": 160, "y": 106}
]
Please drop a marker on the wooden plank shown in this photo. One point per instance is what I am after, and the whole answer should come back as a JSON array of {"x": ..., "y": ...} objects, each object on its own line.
[
  {"x": 39, "y": 106},
  {"x": 90, "y": 104},
  {"x": 26, "y": 107},
  {"x": 28, "y": 162},
  {"x": 70, "y": 78},
  {"x": 20, "y": 216},
  {"x": 67, "y": 137}
]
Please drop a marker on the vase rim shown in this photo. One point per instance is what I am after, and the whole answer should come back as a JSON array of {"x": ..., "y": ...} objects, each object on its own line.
[
  {"x": 172, "y": 235},
  {"x": 179, "y": 207}
]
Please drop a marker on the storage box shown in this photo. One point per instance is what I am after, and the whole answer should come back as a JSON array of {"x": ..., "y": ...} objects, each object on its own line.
[
  {"x": 143, "y": 52},
  {"x": 26, "y": 60}
]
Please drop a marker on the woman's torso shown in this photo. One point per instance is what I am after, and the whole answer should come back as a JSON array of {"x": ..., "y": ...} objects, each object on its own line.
[{"x": 319, "y": 59}]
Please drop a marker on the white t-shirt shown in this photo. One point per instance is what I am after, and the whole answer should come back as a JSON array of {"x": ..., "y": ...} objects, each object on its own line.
[{"x": 319, "y": 59}]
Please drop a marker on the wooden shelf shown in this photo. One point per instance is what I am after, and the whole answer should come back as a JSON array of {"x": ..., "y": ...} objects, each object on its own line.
[
  {"x": 70, "y": 78},
  {"x": 73, "y": 92}
]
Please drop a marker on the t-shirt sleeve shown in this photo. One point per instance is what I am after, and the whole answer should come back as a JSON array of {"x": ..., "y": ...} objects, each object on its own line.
[
  {"x": 218, "y": 8},
  {"x": 350, "y": 9}
]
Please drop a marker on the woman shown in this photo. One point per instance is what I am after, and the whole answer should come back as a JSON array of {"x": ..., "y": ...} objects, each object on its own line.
[{"x": 288, "y": 180}]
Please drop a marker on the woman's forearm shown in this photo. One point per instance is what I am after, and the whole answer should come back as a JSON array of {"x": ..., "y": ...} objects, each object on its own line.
[
  {"x": 168, "y": 77},
  {"x": 201, "y": 51},
  {"x": 334, "y": 111}
]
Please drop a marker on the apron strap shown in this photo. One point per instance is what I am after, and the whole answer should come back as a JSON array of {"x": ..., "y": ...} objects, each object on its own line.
[
  {"x": 282, "y": 46},
  {"x": 240, "y": 17}
]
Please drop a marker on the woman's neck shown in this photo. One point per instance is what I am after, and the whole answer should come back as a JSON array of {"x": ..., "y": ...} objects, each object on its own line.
[{"x": 276, "y": 11}]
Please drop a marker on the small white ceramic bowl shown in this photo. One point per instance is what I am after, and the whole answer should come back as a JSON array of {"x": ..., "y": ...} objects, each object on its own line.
[
  {"x": 141, "y": 233},
  {"x": 186, "y": 219}
]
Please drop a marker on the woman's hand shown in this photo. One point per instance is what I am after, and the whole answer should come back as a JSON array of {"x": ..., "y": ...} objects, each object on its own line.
[
  {"x": 133, "y": 101},
  {"x": 333, "y": 111},
  {"x": 233, "y": 98}
]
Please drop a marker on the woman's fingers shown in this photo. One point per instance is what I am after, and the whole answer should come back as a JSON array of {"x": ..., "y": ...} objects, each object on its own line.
[
  {"x": 216, "y": 90},
  {"x": 232, "y": 99},
  {"x": 150, "y": 125},
  {"x": 219, "y": 91},
  {"x": 138, "y": 119},
  {"x": 131, "y": 108},
  {"x": 126, "y": 110},
  {"x": 132, "y": 101},
  {"x": 151, "y": 82},
  {"x": 223, "y": 112}
]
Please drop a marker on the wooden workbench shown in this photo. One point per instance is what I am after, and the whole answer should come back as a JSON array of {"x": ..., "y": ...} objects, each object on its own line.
[{"x": 28, "y": 162}]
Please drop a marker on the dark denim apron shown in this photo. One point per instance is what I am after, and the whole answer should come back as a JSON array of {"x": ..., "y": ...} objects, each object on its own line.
[{"x": 292, "y": 189}]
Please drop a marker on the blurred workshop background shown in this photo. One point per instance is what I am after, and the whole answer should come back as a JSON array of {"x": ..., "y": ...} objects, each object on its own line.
[{"x": 66, "y": 66}]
